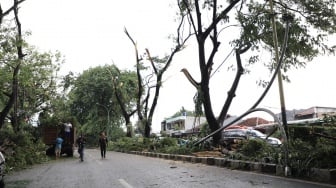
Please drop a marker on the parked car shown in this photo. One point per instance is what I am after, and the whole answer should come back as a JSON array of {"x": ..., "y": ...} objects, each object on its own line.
[
  {"x": 257, "y": 134},
  {"x": 232, "y": 136}
]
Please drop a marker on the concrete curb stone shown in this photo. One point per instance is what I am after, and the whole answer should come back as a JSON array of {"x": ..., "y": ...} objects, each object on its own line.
[{"x": 319, "y": 175}]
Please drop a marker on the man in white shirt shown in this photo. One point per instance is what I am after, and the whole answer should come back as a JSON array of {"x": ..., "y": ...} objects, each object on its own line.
[{"x": 67, "y": 129}]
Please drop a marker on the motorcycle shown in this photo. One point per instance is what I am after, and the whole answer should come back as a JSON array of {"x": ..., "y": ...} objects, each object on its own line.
[{"x": 2, "y": 168}]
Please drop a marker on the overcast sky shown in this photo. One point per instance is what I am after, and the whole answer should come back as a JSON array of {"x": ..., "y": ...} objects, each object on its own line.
[{"x": 91, "y": 33}]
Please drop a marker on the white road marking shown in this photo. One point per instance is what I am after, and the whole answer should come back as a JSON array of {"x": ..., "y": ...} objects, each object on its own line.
[{"x": 124, "y": 183}]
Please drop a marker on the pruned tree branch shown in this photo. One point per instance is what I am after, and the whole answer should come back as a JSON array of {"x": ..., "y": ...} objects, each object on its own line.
[
  {"x": 190, "y": 78},
  {"x": 151, "y": 61},
  {"x": 139, "y": 77}
]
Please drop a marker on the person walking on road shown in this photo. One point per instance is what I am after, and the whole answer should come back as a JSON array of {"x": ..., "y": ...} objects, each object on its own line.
[
  {"x": 58, "y": 147},
  {"x": 102, "y": 144},
  {"x": 80, "y": 144}
]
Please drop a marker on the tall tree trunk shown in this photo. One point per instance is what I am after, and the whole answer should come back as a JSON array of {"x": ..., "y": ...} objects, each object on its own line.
[{"x": 13, "y": 96}]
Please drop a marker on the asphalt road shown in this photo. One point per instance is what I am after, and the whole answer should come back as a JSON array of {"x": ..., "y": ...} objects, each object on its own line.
[{"x": 121, "y": 170}]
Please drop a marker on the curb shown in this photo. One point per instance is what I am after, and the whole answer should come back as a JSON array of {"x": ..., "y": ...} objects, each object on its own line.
[
  {"x": 216, "y": 161},
  {"x": 317, "y": 175}
]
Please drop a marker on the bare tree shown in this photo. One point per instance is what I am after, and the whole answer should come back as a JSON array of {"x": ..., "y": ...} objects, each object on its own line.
[{"x": 146, "y": 104}]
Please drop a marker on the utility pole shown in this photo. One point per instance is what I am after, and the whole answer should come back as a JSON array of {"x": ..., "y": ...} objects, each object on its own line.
[{"x": 281, "y": 91}]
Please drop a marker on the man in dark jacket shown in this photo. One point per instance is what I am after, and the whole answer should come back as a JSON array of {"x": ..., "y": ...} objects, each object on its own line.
[
  {"x": 102, "y": 144},
  {"x": 80, "y": 144}
]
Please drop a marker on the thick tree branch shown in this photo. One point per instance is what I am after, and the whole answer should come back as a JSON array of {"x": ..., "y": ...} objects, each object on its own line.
[
  {"x": 139, "y": 77},
  {"x": 199, "y": 21},
  {"x": 214, "y": 40},
  {"x": 232, "y": 91}
]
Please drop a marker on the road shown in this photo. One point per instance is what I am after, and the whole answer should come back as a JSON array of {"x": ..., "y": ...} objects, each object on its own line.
[{"x": 120, "y": 170}]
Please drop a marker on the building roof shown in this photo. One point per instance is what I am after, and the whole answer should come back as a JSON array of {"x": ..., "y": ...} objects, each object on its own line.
[
  {"x": 251, "y": 122},
  {"x": 307, "y": 111},
  {"x": 313, "y": 110},
  {"x": 175, "y": 119}
]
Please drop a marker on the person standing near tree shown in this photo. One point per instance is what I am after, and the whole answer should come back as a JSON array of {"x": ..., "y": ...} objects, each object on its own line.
[
  {"x": 58, "y": 147},
  {"x": 102, "y": 144}
]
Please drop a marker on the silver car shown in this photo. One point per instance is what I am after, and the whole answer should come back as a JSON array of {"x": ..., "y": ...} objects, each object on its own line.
[
  {"x": 230, "y": 136},
  {"x": 251, "y": 133}
]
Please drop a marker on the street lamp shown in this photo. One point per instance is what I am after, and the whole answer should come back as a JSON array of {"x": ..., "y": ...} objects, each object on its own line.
[{"x": 108, "y": 119}]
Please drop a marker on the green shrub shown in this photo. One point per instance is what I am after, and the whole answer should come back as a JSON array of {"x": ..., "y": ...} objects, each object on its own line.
[
  {"x": 179, "y": 150},
  {"x": 324, "y": 156},
  {"x": 252, "y": 148},
  {"x": 301, "y": 132},
  {"x": 258, "y": 150},
  {"x": 167, "y": 142},
  {"x": 22, "y": 149},
  {"x": 127, "y": 144},
  {"x": 308, "y": 148},
  {"x": 300, "y": 157}
]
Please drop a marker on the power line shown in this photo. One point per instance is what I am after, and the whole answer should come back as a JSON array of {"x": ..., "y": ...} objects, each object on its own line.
[{"x": 222, "y": 62}]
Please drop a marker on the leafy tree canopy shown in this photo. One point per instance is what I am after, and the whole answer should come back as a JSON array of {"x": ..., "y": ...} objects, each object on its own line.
[
  {"x": 93, "y": 97},
  {"x": 37, "y": 78}
]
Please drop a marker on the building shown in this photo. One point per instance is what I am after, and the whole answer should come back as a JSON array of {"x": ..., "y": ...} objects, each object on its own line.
[
  {"x": 186, "y": 125},
  {"x": 310, "y": 115},
  {"x": 315, "y": 112},
  {"x": 313, "y": 116},
  {"x": 179, "y": 125}
]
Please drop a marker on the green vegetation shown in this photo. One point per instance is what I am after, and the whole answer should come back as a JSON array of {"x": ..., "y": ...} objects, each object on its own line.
[
  {"x": 159, "y": 145},
  {"x": 21, "y": 149}
]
